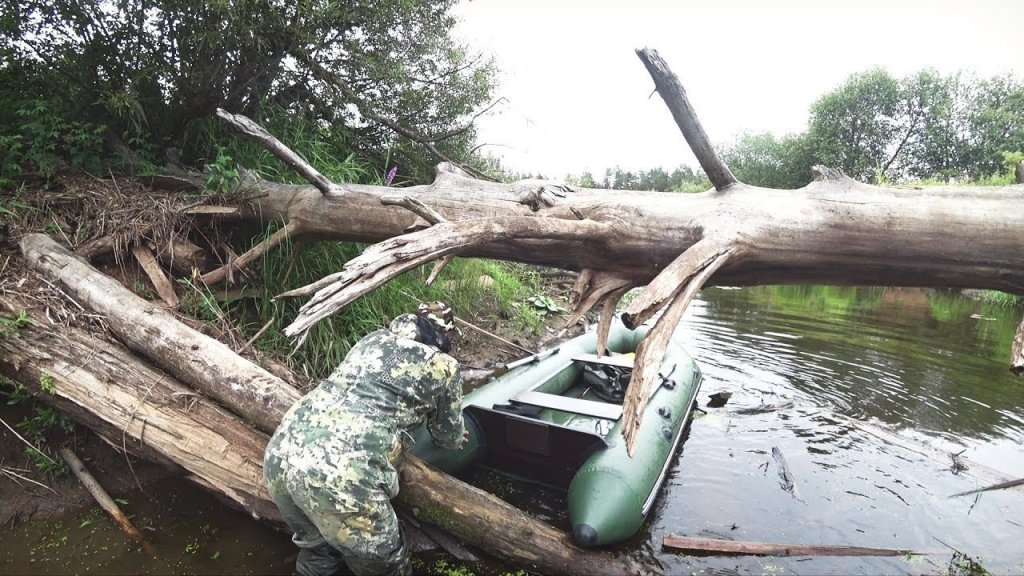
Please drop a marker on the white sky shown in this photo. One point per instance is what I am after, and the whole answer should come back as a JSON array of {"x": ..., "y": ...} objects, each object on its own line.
[{"x": 578, "y": 95}]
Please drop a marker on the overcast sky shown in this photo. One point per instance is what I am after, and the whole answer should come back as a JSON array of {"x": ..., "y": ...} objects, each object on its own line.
[{"x": 578, "y": 95}]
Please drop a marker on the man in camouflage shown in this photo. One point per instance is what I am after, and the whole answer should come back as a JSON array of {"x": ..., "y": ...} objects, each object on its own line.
[{"x": 330, "y": 466}]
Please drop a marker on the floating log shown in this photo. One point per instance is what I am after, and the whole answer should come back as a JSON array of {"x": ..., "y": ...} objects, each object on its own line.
[{"x": 772, "y": 549}]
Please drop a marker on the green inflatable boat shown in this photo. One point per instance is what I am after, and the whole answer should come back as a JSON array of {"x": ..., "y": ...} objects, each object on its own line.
[{"x": 556, "y": 419}]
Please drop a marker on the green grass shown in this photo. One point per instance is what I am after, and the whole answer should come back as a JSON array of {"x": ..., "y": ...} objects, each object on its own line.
[
  {"x": 281, "y": 269},
  {"x": 328, "y": 341},
  {"x": 1001, "y": 298}
]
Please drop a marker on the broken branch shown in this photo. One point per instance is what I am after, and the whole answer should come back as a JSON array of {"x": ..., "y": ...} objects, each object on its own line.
[
  {"x": 672, "y": 91},
  {"x": 1000, "y": 486},
  {"x": 651, "y": 350},
  {"x": 104, "y": 499},
  {"x": 220, "y": 274},
  {"x": 282, "y": 152},
  {"x": 653, "y": 297},
  {"x": 383, "y": 261}
]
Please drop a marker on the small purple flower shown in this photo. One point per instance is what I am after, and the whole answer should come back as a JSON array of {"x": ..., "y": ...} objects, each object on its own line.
[{"x": 390, "y": 175}]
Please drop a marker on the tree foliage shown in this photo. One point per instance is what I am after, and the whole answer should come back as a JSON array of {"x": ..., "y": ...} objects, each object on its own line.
[
  {"x": 875, "y": 127},
  {"x": 770, "y": 161},
  {"x": 925, "y": 125},
  {"x": 151, "y": 70},
  {"x": 681, "y": 179}
]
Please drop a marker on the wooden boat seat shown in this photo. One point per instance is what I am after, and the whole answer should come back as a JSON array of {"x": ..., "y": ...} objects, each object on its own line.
[
  {"x": 577, "y": 405},
  {"x": 622, "y": 361},
  {"x": 565, "y": 404}
]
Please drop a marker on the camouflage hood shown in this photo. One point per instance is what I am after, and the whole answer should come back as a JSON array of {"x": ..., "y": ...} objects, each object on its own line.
[{"x": 404, "y": 326}]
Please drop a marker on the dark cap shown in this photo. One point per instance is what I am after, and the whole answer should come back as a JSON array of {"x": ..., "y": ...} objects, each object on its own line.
[{"x": 438, "y": 313}]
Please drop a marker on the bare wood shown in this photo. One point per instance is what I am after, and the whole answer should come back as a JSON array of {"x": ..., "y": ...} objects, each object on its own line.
[
  {"x": 157, "y": 410},
  {"x": 220, "y": 274},
  {"x": 256, "y": 336},
  {"x": 163, "y": 286},
  {"x": 604, "y": 326},
  {"x": 1017, "y": 352},
  {"x": 497, "y": 527},
  {"x": 590, "y": 289},
  {"x": 771, "y": 549},
  {"x": 672, "y": 91},
  {"x": 651, "y": 350},
  {"x": 94, "y": 248},
  {"x": 133, "y": 405},
  {"x": 428, "y": 214},
  {"x": 282, "y": 152},
  {"x": 383, "y": 261},
  {"x": 212, "y": 210},
  {"x": 439, "y": 266},
  {"x": 653, "y": 297},
  {"x": 415, "y": 206},
  {"x": 181, "y": 255},
  {"x": 198, "y": 360},
  {"x": 104, "y": 499}
]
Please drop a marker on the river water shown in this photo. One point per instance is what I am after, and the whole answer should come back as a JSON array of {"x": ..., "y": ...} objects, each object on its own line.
[
  {"x": 842, "y": 368},
  {"x": 928, "y": 366}
]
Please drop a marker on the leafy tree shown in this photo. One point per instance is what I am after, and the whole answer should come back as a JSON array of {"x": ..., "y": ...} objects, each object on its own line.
[
  {"x": 995, "y": 120},
  {"x": 151, "y": 70},
  {"x": 853, "y": 127},
  {"x": 769, "y": 161},
  {"x": 877, "y": 127}
]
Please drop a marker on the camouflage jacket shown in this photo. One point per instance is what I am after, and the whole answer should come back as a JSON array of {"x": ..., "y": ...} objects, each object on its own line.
[{"x": 388, "y": 385}]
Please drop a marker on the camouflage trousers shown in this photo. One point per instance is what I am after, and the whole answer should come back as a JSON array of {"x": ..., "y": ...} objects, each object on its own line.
[{"x": 342, "y": 514}]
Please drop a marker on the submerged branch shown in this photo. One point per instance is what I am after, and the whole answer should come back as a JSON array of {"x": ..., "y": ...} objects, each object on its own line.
[{"x": 772, "y": 549}]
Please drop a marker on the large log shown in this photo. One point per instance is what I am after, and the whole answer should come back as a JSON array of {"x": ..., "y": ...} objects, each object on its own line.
[
  {"x": 138, "y": 407},
  {"x": 203, "y": 363},
  {"x": 131, "y": 399},
  {"x": 833, "y": 231}
]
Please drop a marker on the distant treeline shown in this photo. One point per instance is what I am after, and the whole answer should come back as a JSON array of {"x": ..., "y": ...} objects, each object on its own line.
[{"x": 876, "y": 128}]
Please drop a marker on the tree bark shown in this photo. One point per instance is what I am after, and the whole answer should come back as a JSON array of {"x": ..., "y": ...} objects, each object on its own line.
[
  {"x": 121, "y": 396},
  {"x": 197, "y": 360},
  {"x": 833, "y": 231},
  {"x": 138, "y": 407}
]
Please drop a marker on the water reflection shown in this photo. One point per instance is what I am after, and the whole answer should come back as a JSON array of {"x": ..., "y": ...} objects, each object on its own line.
[{"x": 925, "y": 364}]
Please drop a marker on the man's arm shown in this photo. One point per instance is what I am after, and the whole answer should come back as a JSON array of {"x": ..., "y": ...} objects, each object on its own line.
[{"x": 445, "y": 423}]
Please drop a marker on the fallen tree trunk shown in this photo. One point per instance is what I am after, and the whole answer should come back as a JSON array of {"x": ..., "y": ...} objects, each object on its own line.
[
  {"x": 203, "y": 363},
  {"x": 833, "y": 231},
  {"x": 131, "y": 399},
  {"x": 138, "y": 408}
]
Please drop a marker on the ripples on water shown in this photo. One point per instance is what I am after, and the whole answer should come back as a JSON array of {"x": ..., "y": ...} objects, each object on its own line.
[{"x": 908, "y": 361}]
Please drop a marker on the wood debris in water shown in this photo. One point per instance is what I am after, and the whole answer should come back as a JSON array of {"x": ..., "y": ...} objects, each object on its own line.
[
  {"x": 688, "y": 544},
  {"x": 785, "y": 474}
]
